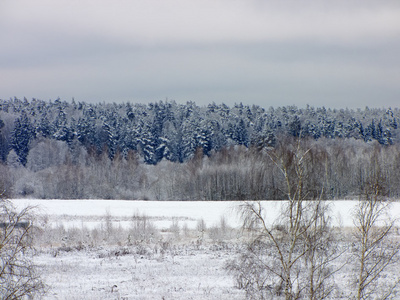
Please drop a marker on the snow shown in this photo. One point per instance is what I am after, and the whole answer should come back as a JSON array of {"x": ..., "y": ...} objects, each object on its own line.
[
  {"x": 183, "y": 267},
  {"x": 70, "y": 212},
  {"x": 188, "y": 274}
]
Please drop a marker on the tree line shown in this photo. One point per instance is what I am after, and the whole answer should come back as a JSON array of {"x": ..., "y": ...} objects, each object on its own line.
[
  {"x": 342, "y": 167},
  {"x": 170, "y": 151},
  {"x": 171, "y": 131}
]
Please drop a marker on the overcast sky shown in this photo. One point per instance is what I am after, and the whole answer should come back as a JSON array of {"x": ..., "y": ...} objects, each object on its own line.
[{"x": 271, "y": 53}]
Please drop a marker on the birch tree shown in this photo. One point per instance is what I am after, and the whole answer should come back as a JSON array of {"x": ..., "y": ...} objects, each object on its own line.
[
  {"x": 291, "y": 247},
  {"x": 19, "y": 277},
  {"x": 377, "y": 250}
]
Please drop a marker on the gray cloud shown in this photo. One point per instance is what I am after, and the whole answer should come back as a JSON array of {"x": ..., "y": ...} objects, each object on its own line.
[{"x": 332, "y": 53}]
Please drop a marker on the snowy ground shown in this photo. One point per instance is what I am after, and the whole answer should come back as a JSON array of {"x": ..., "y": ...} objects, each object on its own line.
[
  {"x": 106, "y": 273},
  {"x": 84, "y": 252},
  {"x": 91, "y": 212}
]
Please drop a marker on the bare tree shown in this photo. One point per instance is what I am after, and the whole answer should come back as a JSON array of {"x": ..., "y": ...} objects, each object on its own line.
[
  {"x": 292, "y": 162},
  {"x": 376, "y": 248},
  {"x": 19, "y": 277},
  {"x": 322, "y": 249},
  {"x": 300, "y": 240}
]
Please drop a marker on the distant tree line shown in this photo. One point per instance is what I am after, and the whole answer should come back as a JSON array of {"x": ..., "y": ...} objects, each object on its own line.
[{"x": 165, "y": 150}]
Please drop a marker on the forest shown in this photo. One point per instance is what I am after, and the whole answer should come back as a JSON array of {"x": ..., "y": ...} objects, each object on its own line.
[{"x": 170, "y": 151}]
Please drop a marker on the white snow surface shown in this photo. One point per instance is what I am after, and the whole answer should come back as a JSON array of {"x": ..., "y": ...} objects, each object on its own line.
[
  {"x": 100, "y": 274},
  {"x": 179, "y": 268},
  {"x": 70, "y": 212}
]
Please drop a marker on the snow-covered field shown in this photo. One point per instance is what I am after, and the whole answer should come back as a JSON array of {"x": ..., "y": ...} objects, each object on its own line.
[
  {"x": 183, "y": 272},
  {"x": 90, "y": 212},
  {"x": 173, "y": 260}
]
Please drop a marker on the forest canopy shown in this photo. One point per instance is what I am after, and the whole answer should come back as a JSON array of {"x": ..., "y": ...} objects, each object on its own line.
[{"x": 70, "y": 148}]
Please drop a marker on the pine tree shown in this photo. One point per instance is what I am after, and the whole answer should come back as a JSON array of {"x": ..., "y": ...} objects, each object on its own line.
[
  {"x": 3, "y": 143},
  {"x": 21, "y": 137}
]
